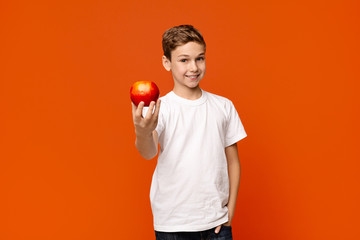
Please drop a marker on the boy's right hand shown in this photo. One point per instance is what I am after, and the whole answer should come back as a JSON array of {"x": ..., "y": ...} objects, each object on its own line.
[{"x": 145, "y": 125}]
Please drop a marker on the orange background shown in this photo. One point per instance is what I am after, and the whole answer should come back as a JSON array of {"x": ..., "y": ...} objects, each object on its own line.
[{"x": 69, "y": 168}]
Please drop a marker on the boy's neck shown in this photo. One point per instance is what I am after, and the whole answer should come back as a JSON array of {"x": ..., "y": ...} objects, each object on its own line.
[{"x": 188, "y": 93}]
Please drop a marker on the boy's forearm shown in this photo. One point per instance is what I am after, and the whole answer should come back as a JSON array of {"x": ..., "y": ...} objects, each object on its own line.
[
  {"x": 234, "y": 178},
  {"x": 145, "y": 128},
  {"x": 146, "y": 146}
]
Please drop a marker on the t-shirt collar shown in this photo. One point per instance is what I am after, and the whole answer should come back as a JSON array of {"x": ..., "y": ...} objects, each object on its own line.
[{"x": 195, "y": 102}]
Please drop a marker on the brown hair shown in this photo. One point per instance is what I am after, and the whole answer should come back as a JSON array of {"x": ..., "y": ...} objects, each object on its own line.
[{"x": 180, "y": 35}]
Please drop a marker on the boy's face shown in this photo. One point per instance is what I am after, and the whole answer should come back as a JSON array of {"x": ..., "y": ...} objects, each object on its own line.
[{"x": 187, "y": 65}]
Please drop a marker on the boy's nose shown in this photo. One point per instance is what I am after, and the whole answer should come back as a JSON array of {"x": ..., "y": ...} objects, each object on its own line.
[{"x": 193, "y": 66}]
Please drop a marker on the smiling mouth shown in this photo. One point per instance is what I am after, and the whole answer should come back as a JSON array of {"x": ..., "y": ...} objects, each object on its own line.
[{"x": 193, "y": 77}]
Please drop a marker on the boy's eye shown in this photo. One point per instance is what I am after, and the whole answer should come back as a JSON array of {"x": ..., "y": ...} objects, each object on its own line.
[
  {"x": 183, "y": 60},
  {"x": 200, "y": 59}
]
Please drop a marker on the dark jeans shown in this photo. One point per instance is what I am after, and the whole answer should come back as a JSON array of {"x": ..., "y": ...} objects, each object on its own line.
[{"x": 224, "y": 234}]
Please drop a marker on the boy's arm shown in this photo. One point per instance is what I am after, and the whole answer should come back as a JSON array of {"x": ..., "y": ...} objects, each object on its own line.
[
  {"x": 234, "y": 179},
  {"x": 146, "y": 136}
]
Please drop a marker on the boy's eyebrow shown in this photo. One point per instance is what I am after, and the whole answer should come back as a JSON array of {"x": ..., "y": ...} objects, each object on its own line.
[{"x": 185, "y": 55}]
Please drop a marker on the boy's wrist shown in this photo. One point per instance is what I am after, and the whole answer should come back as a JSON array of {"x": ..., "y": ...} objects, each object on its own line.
[
  {"x": 230, "y": 214},
  {"x": 144, "y": 135}
]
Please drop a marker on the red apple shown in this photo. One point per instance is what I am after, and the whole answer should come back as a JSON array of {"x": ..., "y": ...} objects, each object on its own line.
[{"x": 145, "y": 91}]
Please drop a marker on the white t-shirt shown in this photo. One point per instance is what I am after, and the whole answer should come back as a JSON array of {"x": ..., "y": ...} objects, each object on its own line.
[{"x": 190, "y": 185}]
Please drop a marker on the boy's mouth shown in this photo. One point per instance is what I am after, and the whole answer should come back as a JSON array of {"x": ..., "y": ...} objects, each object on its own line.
[{"x": 192, "y": 77}]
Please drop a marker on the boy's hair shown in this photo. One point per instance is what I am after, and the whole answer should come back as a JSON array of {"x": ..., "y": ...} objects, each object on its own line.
[{"x": 180, "y": 35}]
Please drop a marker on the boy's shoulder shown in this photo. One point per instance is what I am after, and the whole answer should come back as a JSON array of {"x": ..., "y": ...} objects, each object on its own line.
[
  {"x": 166, "y": 96},
  {"x": 165, "y": 100},
  {"x": 216, "y": 97}
]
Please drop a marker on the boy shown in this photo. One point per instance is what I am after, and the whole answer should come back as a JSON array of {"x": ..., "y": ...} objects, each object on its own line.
[{"x": 196, "y": 180}]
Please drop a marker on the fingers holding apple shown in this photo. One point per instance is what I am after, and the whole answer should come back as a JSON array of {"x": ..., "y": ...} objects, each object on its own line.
[
  {"x": 152, "y": 112},
  {"x": 146, "y": 125},
  {"x": 143, "y": 94},
  {"x": 149, "y": 113},
  {"x": 157, "y": 109}
]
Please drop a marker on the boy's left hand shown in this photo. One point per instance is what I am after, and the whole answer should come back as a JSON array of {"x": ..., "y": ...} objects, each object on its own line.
[
  {"x": 231, "y": 215},
  {"x": 217, "y": 229}
]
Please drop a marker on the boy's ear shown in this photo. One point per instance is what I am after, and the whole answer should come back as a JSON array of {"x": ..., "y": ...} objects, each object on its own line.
[{"x": 166, "y": 63}]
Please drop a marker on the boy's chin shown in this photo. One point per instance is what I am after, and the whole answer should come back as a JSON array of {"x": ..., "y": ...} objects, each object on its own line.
[
  {"x": 189, "y": 85},
  {"x": 193, "y": 86}
]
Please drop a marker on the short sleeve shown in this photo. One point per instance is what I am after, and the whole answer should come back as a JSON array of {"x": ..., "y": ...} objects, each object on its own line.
[{"x": 235, "y": 130}]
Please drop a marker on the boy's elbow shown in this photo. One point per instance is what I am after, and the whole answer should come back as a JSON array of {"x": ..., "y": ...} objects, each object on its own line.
[
  {"x": 149, "y": 156},
  {"x": 147, "y": 152}
]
